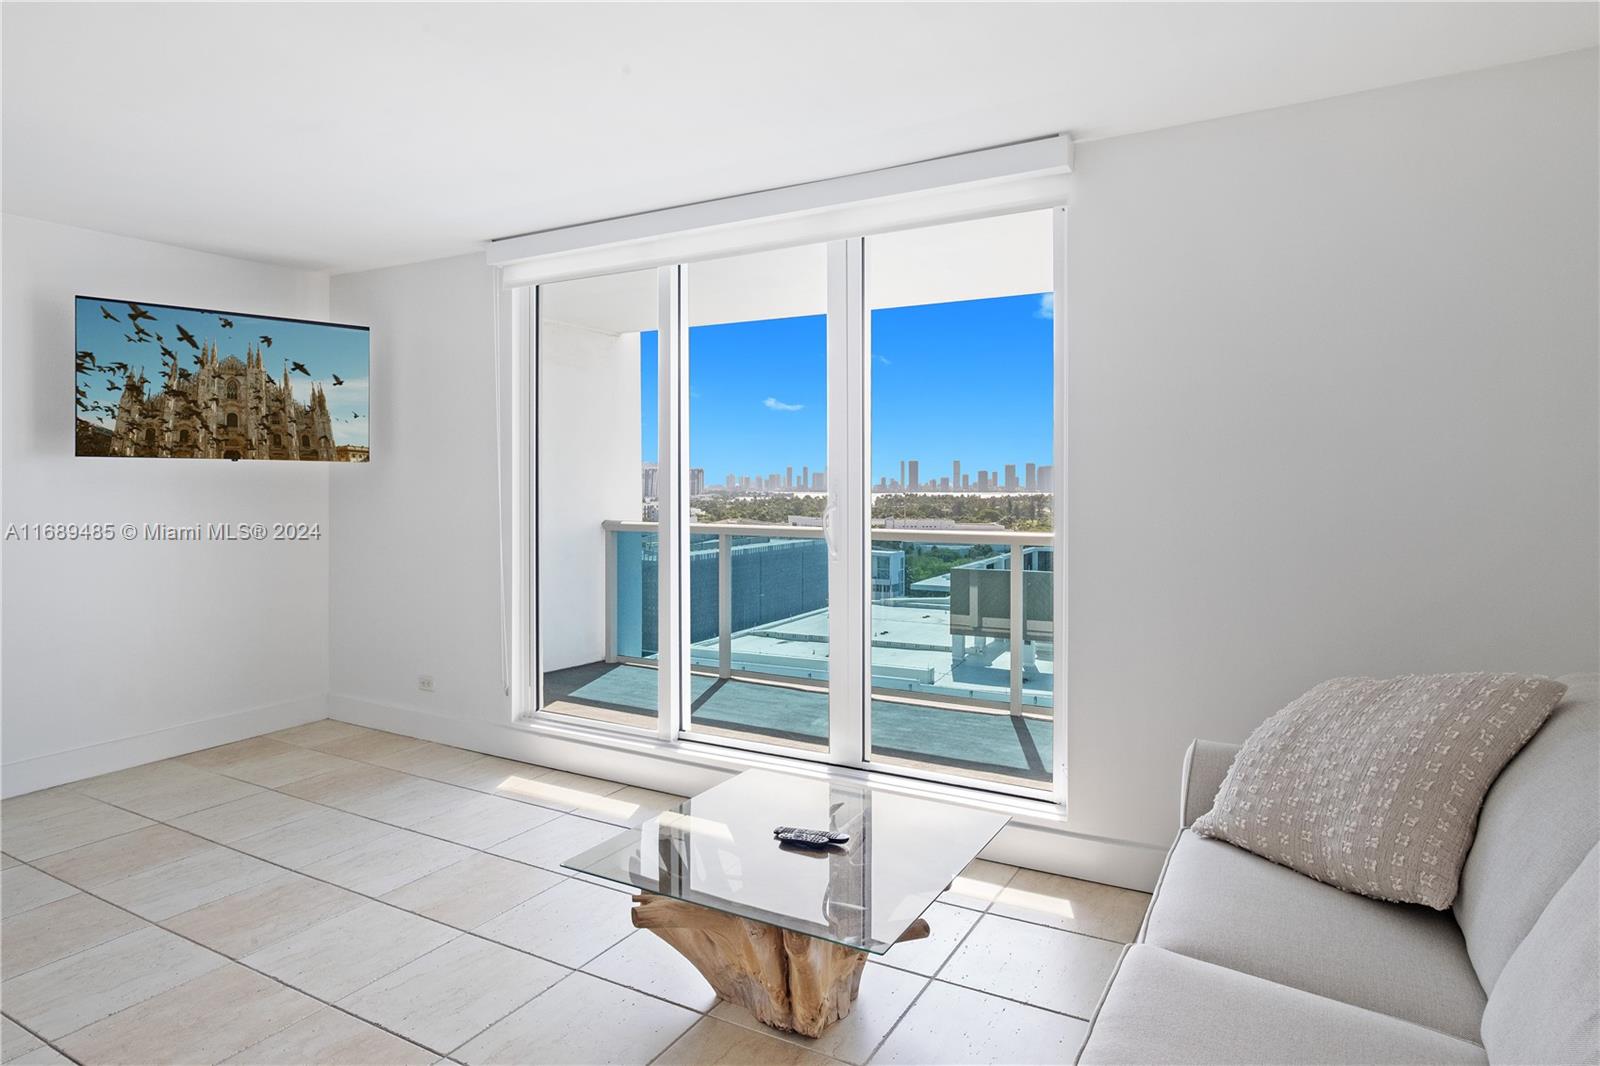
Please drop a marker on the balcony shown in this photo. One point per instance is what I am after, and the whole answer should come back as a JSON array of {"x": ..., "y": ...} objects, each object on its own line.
[{"x": 948, "y": 693}]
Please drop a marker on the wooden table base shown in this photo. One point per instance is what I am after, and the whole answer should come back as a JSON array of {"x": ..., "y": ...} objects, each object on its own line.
[{"x": 788, "y": 980}]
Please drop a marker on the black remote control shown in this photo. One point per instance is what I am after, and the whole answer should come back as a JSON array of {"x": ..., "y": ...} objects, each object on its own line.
[{"x": 809, "y": 838}]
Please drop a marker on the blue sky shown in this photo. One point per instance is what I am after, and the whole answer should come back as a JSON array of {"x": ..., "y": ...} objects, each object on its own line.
[
  {"x": 969, "y": 380},
  {"x": 325, "y": 351}
]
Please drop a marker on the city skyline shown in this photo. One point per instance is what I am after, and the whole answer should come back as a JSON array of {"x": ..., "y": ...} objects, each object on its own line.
[
  {"x": 1010, "y": 477},
  {"x": 973, "y": 378}
]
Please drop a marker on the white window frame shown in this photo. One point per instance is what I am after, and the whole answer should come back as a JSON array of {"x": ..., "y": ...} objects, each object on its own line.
[{"x": 849, "y": 433}]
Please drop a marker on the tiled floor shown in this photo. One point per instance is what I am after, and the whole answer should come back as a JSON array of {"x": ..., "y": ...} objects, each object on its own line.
[{"x": 333, "y": 894}]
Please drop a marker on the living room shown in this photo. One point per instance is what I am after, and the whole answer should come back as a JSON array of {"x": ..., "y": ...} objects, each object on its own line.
[{"x": 637, "y": 459}]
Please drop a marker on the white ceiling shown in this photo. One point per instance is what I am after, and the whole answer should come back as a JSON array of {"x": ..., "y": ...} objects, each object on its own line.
[{"x": 347, "y": 136}]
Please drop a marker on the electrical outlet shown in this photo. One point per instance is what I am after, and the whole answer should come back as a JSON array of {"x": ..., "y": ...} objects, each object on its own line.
[{"x": 425, "y": 682}]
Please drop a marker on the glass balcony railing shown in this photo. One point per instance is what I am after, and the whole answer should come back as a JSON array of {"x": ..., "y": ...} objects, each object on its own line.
[{"x": 948, "y": 608}]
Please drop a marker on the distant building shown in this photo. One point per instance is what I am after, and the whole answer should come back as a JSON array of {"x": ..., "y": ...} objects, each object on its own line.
[
  {"x": 1011, "y": 477},
  {"x": 1047, "y": 478},
  {"x": 697, "y": 481},
  {"x": 648, "y": 479},
  {"x": 913, "y": 484},
  {"x": 1031, "y": 477}
]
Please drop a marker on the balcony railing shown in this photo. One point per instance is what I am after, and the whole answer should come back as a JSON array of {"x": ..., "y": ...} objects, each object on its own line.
[{"x": 769, "y": 586}]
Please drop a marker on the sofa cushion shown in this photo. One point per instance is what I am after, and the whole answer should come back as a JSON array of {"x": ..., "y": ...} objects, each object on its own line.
[
  {"x": 1538, "y": 822},
  {"x": 1225, "y": 906},
  {"x": 1164, "y": 1007},
  {"x": 1374, "y": 786},
  {"x": 1546, "y": 1005}
]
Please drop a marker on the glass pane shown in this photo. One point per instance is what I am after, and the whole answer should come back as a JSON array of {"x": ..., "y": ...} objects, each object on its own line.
[
  {"x": 599, "y": 539},
  {"x": 758, "y": 445},
  {"x": 962, "y": 368},
  {"x": 716, "y": 850}
]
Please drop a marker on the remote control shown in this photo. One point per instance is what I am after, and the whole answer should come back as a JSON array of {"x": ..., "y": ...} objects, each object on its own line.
[{"x": 809, "y": 838}]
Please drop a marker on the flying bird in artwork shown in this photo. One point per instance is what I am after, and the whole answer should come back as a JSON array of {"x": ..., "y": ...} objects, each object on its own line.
[
  {"x": 107, "y": 314},
  {"x": 266, "y": 340},
  {"x": 337, "y": 380},
  {"x": 188, "y": 338},
  {"x": 135, "y": 313},
  {"x": 168, "y": 352},
  {"x": 226, "y": 323},
  {"x": 299, "y": 368},
  {"x": 356, "y": 414},
  {"x": 140, "y": 331}
]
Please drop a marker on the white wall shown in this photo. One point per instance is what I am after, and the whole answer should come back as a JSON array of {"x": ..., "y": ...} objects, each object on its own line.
[
  {"x": 1334, "y": 391},
  {"x": 414, "y": 575},
  {"x": 117, "y": 653},
  {"x": 1333, "y": 411}
]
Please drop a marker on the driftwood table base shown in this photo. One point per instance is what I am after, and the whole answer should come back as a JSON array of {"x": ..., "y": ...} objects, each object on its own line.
[{"x": 788, "y": 980}]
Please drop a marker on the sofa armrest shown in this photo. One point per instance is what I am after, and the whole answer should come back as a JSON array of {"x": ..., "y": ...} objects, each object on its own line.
[{"x": 1205, "y": 765}]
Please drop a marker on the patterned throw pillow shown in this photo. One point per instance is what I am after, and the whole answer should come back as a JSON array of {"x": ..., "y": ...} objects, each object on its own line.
[{"x": 1374, "y": 786}]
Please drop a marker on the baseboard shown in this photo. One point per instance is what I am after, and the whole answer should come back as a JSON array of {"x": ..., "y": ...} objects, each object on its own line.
[
  {"x": 1126, "y": 863},
  {"x": 106, "y": 756}
]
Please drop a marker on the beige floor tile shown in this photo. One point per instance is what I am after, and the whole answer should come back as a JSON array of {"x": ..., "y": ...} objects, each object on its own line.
[
  {"x": 203, "y": 1020},
  {"x": 420, "y": 800},
  {"x": 333, "y": 958},
  {"x": 332, "y": 1038},
  {"x": 191, "y": 882},
  {"x": 34, "y": 838},
  {"x": 712, "y": 1042},
  {"x": 646, "y": 963},
  {"x": 977, "y": 886},
  {"x": 957, "y": 1026},
  {"x": 43, "y": 1055},
  {"x": 886, "y": 994},
  {"x": 45, "y": 934},
  {"x": 948, "y": 924},
  {"x": 627, "y": 806},
  {"x": 370, "y": 746},
  {"x": 492, "y": 774},
  {"x": 224, "y": 756},
  {"x": 551, "y": 844},
  {"x": 46, "y": 803},
  {"x": 470, "y": 892},
  {"x": 1048, "y": 968},
  {"x": 7, "y": 862},
  {"x": 313, "y": 838},
  {"x": 426, "y": 759},
  {"x": 296, "y": 764},
  {"x": 312, "y": 734},
  {"x": 263, "y": 914},
  {"x": 350, "y": 782},
  {"x": 15, "y": 1040},
  {"x": 570, "y": 923},
  {"x": 561, "y": 791},
  {"x": 100, "y": 863},
  {"x": 582, "y": 1019},
  {"x": 164, "y": 790},
  {"x": 454, "y": 992},
  {"x": 23, "y": 888},
  {"x": 479, "y": 821},
  {"x": 386, "y": 863},
  {"x": 67, "y": 995},
  {"x": 246, "y": 817},
  {"x": 1076, "y": 906}
]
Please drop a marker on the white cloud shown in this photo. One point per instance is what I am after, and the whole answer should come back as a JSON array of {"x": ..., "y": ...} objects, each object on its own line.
[
  {"x": 1047, "y": 306},
  {"x": 772, "y": 403}
]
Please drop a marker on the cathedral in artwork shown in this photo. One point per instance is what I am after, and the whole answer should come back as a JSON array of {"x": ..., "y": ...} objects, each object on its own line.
[{"x": 223, "y": 409}]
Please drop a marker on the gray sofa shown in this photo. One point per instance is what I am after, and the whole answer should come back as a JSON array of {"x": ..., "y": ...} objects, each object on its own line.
[{"x": 1244, "y": 961}]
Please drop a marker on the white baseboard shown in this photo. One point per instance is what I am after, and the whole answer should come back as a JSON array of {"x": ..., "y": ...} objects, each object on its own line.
[
  {"x": 1127, "y": 863},
  {"x": 106, "y": 756}
]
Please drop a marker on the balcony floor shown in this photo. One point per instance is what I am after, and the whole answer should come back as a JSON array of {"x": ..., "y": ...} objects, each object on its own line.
[{"x": 986, "y": 745}]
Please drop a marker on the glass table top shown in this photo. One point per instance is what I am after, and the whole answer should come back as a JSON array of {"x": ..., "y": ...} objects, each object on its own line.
[{"x": 717, "y": 850}]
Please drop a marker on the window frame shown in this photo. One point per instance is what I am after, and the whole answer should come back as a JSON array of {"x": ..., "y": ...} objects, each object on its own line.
[{"x": 849, "y": 501}]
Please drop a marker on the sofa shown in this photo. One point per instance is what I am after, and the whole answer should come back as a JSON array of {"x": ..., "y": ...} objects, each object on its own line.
[{"x": 1244, "y": 961}]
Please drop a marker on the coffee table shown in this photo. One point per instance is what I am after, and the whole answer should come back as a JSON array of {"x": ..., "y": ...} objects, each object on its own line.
[{"x": 785, "y": 932}]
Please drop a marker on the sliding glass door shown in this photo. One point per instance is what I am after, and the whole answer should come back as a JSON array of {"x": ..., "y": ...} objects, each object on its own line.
[{"x": 804, "y": 501}]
